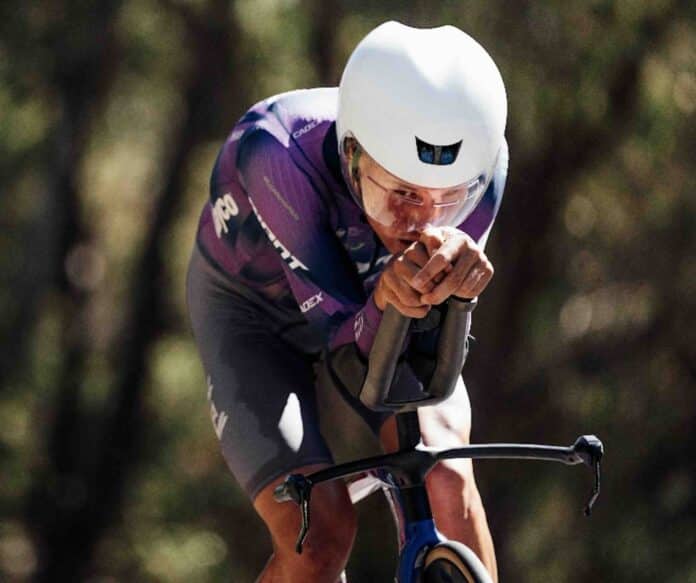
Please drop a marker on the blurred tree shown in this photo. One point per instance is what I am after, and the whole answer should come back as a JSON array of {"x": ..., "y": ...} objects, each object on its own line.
[
  {"x": 56, "y": 241},
  {"x": 541, "y": 195},
  {"x": 112, "y": 116},
  {"x": 77, "y": 495},
  {"x": 325, "y": 19}
]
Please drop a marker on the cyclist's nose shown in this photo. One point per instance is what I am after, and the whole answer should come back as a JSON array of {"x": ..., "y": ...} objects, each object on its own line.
[
  {"x": 413, "y": 221},
  {"x": 417, "y": 218}
]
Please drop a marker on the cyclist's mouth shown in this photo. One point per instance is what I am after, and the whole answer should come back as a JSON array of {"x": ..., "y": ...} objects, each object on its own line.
[{"x": 396, "y": 240}]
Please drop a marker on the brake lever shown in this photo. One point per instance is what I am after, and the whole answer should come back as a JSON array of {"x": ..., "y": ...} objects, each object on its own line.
[
  {"x": 595, "y": 491},
  {"x": 590, "y": 450},
  {"x": 297, "y": 488}
]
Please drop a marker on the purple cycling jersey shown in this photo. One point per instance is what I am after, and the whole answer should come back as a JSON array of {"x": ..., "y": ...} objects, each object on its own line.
[{"x": 280, "y": 219}]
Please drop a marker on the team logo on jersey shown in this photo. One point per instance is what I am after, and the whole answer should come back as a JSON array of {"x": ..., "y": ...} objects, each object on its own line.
[
  {"x": 219, "y": 417},
  {"x": 306, "y": 129},
  {"x": 280, "y": 198},
  {"x": 292, "y": 261},
  {"x": 359, "y": 325},
  {"x": 224, "y": 208},
  {"x": 312, "y": 302}
]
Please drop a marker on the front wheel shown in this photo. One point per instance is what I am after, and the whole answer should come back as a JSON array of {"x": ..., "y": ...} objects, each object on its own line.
[{"x": 453, "y": 562}]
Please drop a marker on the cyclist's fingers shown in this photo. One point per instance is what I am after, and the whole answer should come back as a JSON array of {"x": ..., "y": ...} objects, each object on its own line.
[
  {"x": 433, "y": 238},
  {"x": 401, "y": 289},
  {"x": 453, "y": 242},
  {"x": 454, "y": 245},
  {"x": 417, "y": 311},
  {"x": 407, "y": 271},
  {"x": 417, "y": 253},
  {"x": 442, "y": 291},
  {"x": 436, "y": 264},
  {"x": 405, "y": 268},
  {"x": 476, "y": 280},
  {"x": 406, "y": 294},
  {"x": 453, "y": 281}
]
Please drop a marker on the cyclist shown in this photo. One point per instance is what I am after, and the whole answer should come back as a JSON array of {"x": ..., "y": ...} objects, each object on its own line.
[{"x": 325, "y": 206}]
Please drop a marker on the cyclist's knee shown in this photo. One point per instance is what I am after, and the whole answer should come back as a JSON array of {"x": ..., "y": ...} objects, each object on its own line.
[
  {"x": 330, "y": 539},
  {"x": 332, "y": 531}
]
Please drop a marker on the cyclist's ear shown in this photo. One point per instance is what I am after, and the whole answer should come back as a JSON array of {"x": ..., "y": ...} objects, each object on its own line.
[
  {"x": 353, "y": 154},
  {"x": 350, "y": 145}
]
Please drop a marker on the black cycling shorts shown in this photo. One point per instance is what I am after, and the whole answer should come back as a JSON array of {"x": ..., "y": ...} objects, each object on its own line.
[{"x": 261, "y": 379}]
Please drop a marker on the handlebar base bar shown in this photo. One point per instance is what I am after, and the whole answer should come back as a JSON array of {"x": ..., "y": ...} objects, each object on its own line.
[{"x": 411, "y": 466}]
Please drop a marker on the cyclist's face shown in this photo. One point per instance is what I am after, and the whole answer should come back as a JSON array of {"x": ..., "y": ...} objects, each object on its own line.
[{"x": 399, "y": 209}]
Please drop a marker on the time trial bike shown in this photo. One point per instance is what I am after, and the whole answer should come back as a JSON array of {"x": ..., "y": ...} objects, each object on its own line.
[{"x": 425, "y": 555}]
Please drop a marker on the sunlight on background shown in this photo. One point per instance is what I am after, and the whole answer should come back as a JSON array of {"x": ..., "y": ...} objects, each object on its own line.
[
  {"x": 614, "y": 308},
  {"x": 555, "y": 517},
  {"x": 17, "y": 554},
  {"x": 685, "y": 92},
  {"x": 604, "y": 343},
  {"x": 181, "y": 555},
  {"x": 580, "y": 216}
]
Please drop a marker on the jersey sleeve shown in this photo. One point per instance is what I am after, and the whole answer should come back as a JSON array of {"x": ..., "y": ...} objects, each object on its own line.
[{"x": 291, "y": 209}]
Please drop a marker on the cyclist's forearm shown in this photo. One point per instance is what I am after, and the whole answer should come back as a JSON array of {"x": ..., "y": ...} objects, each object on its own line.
[{"x": 359, "y": 329}]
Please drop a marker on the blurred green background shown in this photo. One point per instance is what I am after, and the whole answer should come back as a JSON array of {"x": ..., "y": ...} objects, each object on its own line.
[{"x": 111, "y": 115}]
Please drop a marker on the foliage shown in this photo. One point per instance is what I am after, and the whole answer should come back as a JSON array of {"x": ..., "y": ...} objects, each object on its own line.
[{"x": 112, "y": 116}]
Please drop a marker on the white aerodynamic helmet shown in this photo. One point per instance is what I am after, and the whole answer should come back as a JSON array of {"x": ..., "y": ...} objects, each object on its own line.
[{"x": 428, "y": 105}]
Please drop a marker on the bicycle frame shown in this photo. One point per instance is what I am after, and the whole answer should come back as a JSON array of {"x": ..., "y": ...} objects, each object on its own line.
[
  {"x": 405, "y": 472},
  {"x": 407, "y": 468}
]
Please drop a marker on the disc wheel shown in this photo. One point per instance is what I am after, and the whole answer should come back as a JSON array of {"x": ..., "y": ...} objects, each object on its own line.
[{"x": 453, "y": 562}]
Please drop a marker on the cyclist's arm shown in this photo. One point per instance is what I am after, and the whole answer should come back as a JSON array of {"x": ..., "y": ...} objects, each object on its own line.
[
  {"x": 291, "y": 211},
  {"x": 478, "y": 226}
]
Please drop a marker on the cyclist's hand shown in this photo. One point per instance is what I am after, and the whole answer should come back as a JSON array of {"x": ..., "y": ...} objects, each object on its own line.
[
  {"x": 458, "y": 257},
  {"x": 394, "y": 285}
]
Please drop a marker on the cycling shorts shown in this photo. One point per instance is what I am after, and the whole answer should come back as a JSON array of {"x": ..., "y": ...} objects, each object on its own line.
[{"x": 261, "y": 378}]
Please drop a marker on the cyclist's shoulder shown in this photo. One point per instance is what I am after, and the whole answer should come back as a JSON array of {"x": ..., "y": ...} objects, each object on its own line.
[
  {"x": 289, "y": 133},
  {"x": 294, "y": 109},
  {"x": 286, "y": 124},
  {"x": 480, "y": 221},
  {"x": 497, "y": 186}
]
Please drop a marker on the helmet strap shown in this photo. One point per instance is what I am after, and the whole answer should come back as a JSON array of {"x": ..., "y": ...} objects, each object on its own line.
[
  {"x": 355, "y": 163},
  {"x": 351, "y": 147}
]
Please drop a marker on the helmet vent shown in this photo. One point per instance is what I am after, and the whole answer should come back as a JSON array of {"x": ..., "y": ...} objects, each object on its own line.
[{"x": 437, "y": 155}]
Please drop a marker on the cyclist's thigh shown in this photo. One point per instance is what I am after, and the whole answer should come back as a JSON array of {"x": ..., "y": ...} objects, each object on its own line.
[
  {"x": 447, "y": 424},
  {"x": 261, "y": 389}
]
